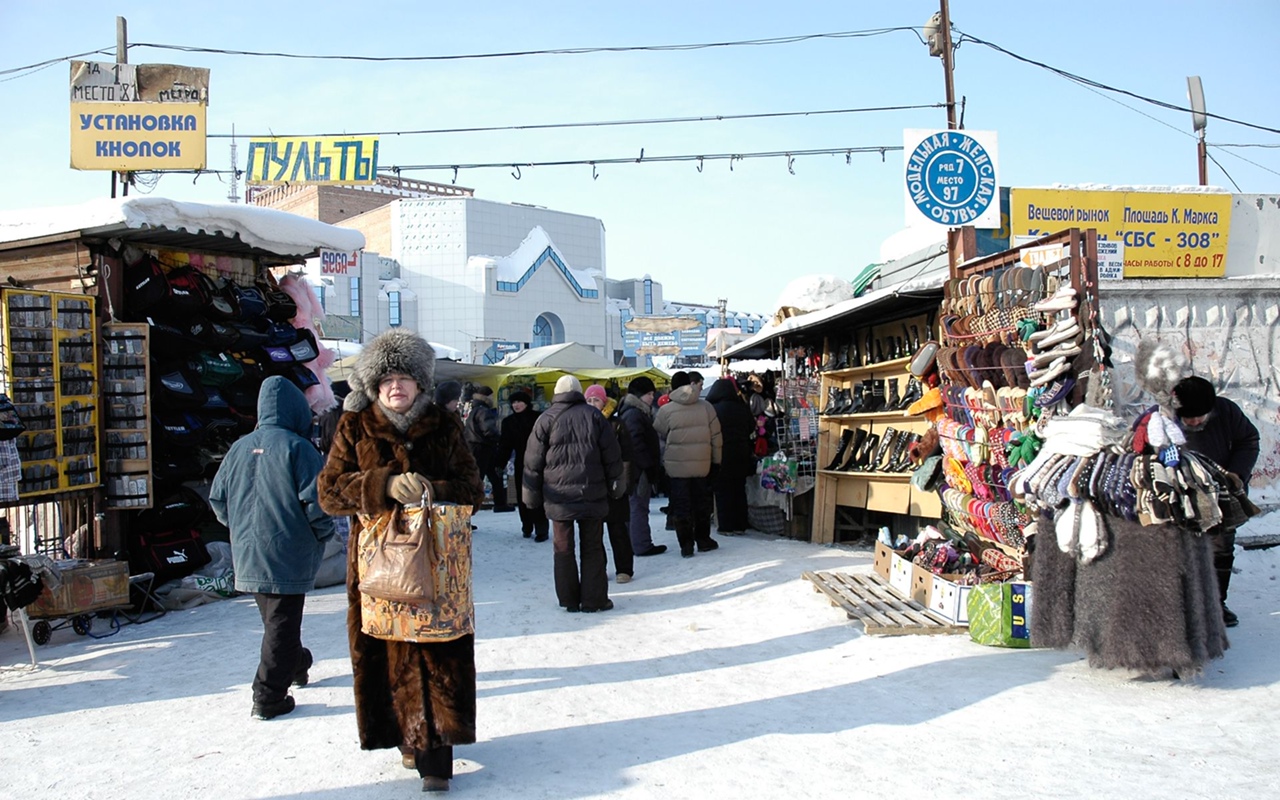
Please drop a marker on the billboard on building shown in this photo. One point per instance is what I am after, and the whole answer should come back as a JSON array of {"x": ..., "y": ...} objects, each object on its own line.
[
  {"x": 127, "y": 117},
  {"x": 326, "y": 160},
  {"x": 1165, "y": 234}
]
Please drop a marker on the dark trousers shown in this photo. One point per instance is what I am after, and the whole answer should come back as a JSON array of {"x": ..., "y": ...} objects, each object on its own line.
[
  {"x": 282, "y": 651},
  {"x": 532, "y": 520},
  {"x": 486, "y": 456},
  {"x": 1224, "y": 558},
  {"x": 691, "y": 498},
  {"x": 731, "y": 503},
  {"x": 436, "y": 762},
  {"x": 591, "y": 590},
  {"x": 618, "y": 523}
]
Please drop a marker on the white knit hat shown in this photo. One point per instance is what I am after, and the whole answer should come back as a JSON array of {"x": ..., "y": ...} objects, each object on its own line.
[{"x": 568, "y": 383}]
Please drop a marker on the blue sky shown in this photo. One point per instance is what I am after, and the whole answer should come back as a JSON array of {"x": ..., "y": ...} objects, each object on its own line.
[{"x": 742, "y": 234}]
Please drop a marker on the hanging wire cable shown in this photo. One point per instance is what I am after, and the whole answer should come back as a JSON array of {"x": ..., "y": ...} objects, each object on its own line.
[
  {"x": 1224, "y": 171},
  {"x": 42, "y": 64},
  {"x": 1248, "y": 144},
  {"x": 644, "y": 159},
  {"x": 554, "y": 52},
  {"x": 965, "y": 37},
  {"x": 604, "y": 124}
]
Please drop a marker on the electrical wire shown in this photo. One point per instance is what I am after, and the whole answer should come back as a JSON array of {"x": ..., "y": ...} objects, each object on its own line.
[
  {"x": 643, "y": 159},
  {"x": 1224, "y": 171},
  {"x": 52, "y": 61},
  {"x": 1098, "y": 85},
  {"x": 553, "y": 52},
  {"x": 603, "y": 124}
]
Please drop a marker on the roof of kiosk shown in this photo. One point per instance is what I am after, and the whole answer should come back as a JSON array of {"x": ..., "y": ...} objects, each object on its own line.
[{"x": 239, "y": 229}]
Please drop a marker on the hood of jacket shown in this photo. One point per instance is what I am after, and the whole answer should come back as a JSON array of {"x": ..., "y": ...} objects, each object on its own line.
[
  {"x": 685, "y": 395},
  {"x": 283, "y": 405},
  {"x": 722, "y": 389}
]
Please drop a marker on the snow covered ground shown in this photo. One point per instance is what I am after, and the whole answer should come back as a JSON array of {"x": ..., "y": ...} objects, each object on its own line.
[{"x": 724, "y": 675}]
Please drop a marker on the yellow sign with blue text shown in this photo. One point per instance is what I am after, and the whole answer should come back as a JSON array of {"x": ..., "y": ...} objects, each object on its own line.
[
  {"x": 134, "y": 136},
  {"x": 332, "y": 160},
  {"x": 1165, "y": 234}
]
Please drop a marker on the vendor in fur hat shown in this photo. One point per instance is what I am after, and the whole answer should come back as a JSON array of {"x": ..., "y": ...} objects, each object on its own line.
[
  {"x": 1216, "y": 428},
  {"x": 390, "y": 444}
]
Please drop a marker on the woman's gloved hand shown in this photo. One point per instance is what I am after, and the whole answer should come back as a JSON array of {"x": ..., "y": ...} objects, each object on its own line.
[{"x": 406, "y": 489}]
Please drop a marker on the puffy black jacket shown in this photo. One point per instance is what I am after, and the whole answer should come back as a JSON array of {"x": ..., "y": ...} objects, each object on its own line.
[
  {"x": 573, "y": 464},
  {"x": 1229, "y": 438},
  {"x": 515, "y": 436},
  {"x": 481, "y": 425},
  {"x": 646, "y": 450},
  {"x": 737, "y": 456}
]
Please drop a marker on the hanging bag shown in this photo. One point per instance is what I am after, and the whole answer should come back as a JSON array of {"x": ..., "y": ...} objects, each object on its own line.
[{"x": 421, "y": 554}]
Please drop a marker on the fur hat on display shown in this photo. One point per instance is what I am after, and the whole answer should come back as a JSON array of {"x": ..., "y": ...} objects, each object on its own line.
[
  {"x": 641, "y": 386},
  {"x": 395, "y": 351},
  {"x": 1158, "y": 368},
  {"x": 596, "y": 392},
  {"x": 520, "y": 396},
  {"x": 568, "y": 383},
  {"x": 1193, "y": 397}
]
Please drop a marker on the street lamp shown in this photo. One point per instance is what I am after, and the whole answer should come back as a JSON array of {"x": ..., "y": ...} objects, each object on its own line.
[{"x": 1199, "y": 121}]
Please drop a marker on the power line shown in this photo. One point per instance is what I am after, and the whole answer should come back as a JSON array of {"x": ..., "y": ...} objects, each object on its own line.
[
  {"x": 1224, "y": 171},
  {"x": 1096, "y": 84},
  {"x": 52, "y": 61},
  {"x": 520, "y": 53},
  {"x": 643, "y": 159},
  {"x": 605, "y": 124}
]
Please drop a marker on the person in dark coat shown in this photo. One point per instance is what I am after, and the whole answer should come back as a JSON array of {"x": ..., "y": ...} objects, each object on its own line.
[
  {"x": 619, "y": 508},
  {"x": 393, "y": 440},
  {"x": 515, "y": 440},
  {"x": 1219, "y": 430},
  {"x": 572, "y": 467},
  {"x": 646, "y": 454},
  {"x": 737, "y": 459},
  {"x": 265, "y": 493},
  {"x": 448, "y": 394},
  {"x": 482, "y": 434}
]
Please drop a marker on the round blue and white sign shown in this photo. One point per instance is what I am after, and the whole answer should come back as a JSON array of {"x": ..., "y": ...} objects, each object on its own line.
[{"x": 951, "y": 178}]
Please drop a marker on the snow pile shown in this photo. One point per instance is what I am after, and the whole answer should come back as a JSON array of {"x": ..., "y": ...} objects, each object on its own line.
[{"x": 813, "y": 292}]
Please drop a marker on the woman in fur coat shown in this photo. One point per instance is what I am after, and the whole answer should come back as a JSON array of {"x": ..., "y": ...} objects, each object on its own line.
[{"x": 419, "y": 697}]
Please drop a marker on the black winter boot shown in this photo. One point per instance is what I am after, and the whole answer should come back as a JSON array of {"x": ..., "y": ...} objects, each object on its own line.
[
  {"x": 702, "y": 535},
  {"x": 684, "y": 534}
]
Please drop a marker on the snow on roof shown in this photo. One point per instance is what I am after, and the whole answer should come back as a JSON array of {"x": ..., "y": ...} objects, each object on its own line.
[
  {"x": 264, "y": 228},
  {"x": 514, "y": 265}
]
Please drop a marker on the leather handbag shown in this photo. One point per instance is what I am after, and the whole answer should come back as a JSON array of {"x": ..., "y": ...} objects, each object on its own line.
[{"x": 400, "y": 565}]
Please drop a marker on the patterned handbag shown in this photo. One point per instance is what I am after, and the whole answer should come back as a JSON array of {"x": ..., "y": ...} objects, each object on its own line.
[{"x": 446, "y": 612}]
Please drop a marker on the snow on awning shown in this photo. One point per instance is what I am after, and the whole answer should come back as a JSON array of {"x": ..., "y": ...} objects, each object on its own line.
[{"x": 266, "y": 229}]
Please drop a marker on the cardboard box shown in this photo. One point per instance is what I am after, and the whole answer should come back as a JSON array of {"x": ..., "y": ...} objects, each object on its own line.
[
  {"x": 85, "y": 588},
  {"x": 949, "y": 599},
  {"x": 939, "y": 593}
]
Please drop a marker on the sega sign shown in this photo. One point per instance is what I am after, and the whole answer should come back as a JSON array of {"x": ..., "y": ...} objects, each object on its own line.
[{"x": 339, "y": 262}]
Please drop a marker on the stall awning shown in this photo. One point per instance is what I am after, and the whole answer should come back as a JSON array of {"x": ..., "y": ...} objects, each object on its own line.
[{"x": 915, "y": 290}]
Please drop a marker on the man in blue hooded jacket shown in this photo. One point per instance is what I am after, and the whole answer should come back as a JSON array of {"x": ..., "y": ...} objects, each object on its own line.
[{"x": 265, "y": 493}]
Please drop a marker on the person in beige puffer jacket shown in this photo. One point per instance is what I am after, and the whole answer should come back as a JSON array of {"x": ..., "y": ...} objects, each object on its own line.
[{"x": 691, "y": 430}]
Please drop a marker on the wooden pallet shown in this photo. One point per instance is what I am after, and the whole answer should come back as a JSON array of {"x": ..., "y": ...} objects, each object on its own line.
[{"x": 869, "y": 600}]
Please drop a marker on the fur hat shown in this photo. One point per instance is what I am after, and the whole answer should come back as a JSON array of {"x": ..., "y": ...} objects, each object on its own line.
[
  {"x": 482, "y": 391},
  {"x": 394, "y": 351},
  {"x": 520, "y": 396},
  {"x": 679, "y": 379},
  {"x": 597, "y": 392},
  {"x": 641, "y": 386},
  {"x": 1193, "y": 397},
  {"x": 447, "y": 392},
  {"x": 1157, "y": 368},
  {"x": 568, "y": 383}
]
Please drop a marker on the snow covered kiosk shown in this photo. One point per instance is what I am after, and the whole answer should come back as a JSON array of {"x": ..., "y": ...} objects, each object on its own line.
[{"x": 136, "y": 332}]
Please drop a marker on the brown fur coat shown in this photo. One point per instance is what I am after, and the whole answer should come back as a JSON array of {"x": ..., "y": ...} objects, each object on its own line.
[{"x": 406, "y": 694}]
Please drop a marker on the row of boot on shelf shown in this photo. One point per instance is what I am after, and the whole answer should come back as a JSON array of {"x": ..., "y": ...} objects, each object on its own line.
[
  {"x": 870, "y": 397},
  {"x": 873, "y": 350},
  {"x": 860, "y": 451}
]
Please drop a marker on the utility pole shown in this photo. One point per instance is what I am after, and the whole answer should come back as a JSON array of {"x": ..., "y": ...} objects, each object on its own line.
[
  {"x": 723, "y": 304},
  {"x": 122, "y": 57},
  {"x": 948, "y": 65}
]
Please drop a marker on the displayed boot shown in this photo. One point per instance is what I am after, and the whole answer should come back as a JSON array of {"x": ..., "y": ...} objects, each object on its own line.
[
  {"x": 855, "y": 449},
  {"x": 882, "y": 450},
  {"x": 833, "y": 396},
  {"x": 845, "y": 437},
  {"x": 892, "y": 402},
  {"x": 855, "y": 353},
  {"x": 684, "y": 534},
  {"x": 863, "y": 456},
  {"x": 874, "y": 402},
  {"x": 879, "y": 352},
  {"x": 913, "y": 393}
]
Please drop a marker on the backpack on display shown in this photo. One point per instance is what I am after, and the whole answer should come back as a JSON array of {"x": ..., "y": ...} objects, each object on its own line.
[
  {"x": 186, "y": 291},
  {"x": 250, "y": 300},
  {"x": 145, "y": 286},
  {"x": 221, "y": 298},
  {"x": 178, "y": 387}
]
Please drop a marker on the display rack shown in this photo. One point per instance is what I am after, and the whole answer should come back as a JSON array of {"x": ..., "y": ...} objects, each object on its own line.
[
  {"x": 51, "y": 361},
  {"x": 870, "y": 362},
  {"x": 127, "y": 417}
]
